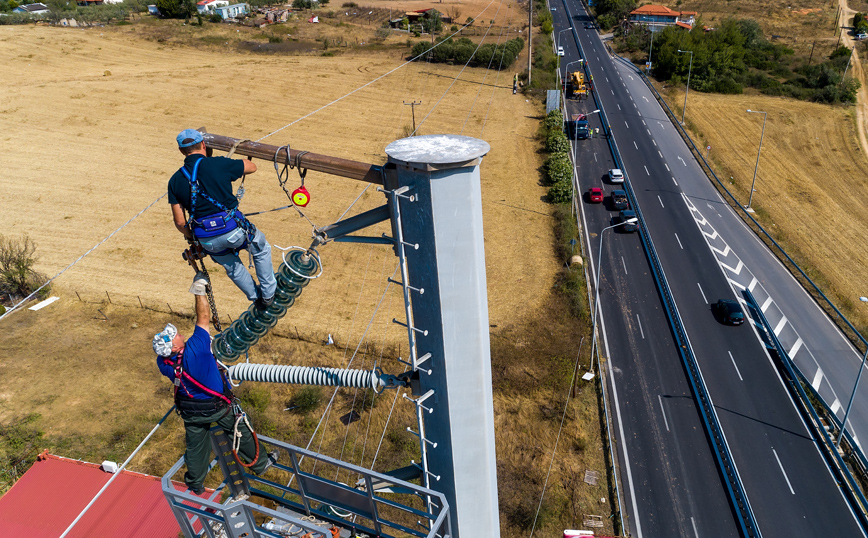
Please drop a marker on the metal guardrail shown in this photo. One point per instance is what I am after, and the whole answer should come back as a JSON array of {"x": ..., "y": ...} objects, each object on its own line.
[
  {"x": 701, "y": 159},
  {"x": 735, "y": 489},
  {"x": 308, "y": 497},
  {"x": 796, "y": 383}
]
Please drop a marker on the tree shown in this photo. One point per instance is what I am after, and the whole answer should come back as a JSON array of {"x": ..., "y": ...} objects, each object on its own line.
[
  {"x": 432, "y": 21},
  {"x": 175, "y": 9},
  {"x": 17, "y": 258}
]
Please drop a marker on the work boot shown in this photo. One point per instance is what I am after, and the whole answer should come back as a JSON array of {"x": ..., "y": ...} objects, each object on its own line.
[
  {"x": 273, "y": 456},
  {"x": 262, "y": 303}
]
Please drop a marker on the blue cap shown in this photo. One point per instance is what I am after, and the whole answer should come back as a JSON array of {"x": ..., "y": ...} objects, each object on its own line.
[{"x": 189, "y": 137}]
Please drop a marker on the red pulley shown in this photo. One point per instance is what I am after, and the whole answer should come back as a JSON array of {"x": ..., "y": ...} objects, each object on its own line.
[{"x": 300, "y": 196}]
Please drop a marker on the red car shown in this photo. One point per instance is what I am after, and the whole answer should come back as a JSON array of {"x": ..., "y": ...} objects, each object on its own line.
[{"x": 595, "y": 195}]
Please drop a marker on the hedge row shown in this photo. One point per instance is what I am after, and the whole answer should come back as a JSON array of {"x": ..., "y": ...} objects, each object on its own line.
[{"x": 464, "y": 51}]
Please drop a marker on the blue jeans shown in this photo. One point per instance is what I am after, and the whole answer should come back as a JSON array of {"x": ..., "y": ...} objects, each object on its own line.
[{"x": 235, "y": 270}]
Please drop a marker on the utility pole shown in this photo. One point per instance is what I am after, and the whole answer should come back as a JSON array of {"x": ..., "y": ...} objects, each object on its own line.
[
  {"x": 413, "y": 108},
  {"x": 812, "y": 52},
  {"x": 529, "y": 37}
]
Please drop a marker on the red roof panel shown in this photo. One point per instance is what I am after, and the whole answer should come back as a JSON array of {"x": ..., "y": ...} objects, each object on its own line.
[{"x": 55, "y": 490}]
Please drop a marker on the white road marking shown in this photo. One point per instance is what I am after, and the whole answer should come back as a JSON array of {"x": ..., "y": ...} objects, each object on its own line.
[
  {"x": 625, "y": 123},
  {"x": 796, "y": 347},
  {"x": 673, "y": 178},
  {"x": 655, "y": 142},
  {"x": 640, "y": 326},
  {"x": 753, "y": 284},
  {"x": 695, "y": 532},
  {"x": 667, "y": 168},
  {"x": 613, "y": 92},
  {"x": 735, "y": 365},
  {"x": 646, "y": 170},
  {"x": 595, "y": 157},
  {"x": 736, "y": 284},
  {"x": 835, "y": 406},
  {"x": 679, "y": 242},
  {"x": 649, "y": 132},
  {"x": 661, "y": 201},
  {"x": 624, "y": 264},
  {"x": 619, "y": 106},
  {"x": 818, "y": 377},
  {"x": 643, "y": 122},
  {"x": 634, "y": 145},
  {"x": 682, "y": 160},
  {"x": 702, "y": 292},
  {"x": 783, "y": 472},
  {"x": 780, "y": 326},
  {"x": 646, "y": 99},
  {"x": 607, "y": 79},
  {"x": 662, "y": 410},
  {"x": 766, "y": 304},
  {"x": 658, "y": 152},
  {"x": 631, "y": 97}
]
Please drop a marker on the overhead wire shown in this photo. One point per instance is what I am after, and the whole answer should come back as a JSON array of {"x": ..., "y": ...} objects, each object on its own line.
[
  {"x": 494, "y": 89},
  {"x": 481, "y": 84},
  {"x": 109, "y": 236},
  {"x": 462, "y": 69},
  {"x": 363, "y": 86}
]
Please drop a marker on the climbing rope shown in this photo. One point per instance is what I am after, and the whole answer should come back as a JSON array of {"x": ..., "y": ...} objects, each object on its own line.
[{"x": 237, "y": 436}]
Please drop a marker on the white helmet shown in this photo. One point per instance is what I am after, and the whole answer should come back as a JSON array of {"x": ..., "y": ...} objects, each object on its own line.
[{"x": 163, "y": 341}]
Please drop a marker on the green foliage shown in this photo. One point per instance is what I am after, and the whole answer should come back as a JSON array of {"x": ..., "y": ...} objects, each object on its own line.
[
  {"x": 306, "y": 399},
  {"x": 349, "y": 4},
  {"x": 556, "y": 142},
  {"x": 254, "y": 398},
  {"x": 554, "y": 120},
  {"x": 19, "y": 445},
  {"x": 558, "y": 168},
  {"x": 737, "y": 55},
  {"x": 17, "y": 258},
  {"x": 609, "y": 12},
  {"x": 176, "y": 9},
  {"x": 561, "y": 192},
  {"x": 465, "y": 51},
  {"x": 545, "y": 22},
  {"x": 860, "y": 24},
  {"x": 432, "y": 22},
  {"x": 215, "y": 18}
]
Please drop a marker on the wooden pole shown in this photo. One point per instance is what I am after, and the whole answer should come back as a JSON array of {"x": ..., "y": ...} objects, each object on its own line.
[
  {"x": 311, "y": 161},
  {"x": 529, "y": 38}
]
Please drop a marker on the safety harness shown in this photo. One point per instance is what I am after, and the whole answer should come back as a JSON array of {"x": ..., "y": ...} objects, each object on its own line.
[
  {"x": 218, "y": 223},
  {"x": 190, "y": 404}
]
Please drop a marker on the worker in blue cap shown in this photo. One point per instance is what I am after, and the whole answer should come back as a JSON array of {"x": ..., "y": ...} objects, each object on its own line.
[{"x": 203, "y": 188}]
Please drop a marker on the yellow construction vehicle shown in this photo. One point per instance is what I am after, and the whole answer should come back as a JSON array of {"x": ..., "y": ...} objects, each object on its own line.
[{"x": 578, "y": 90}]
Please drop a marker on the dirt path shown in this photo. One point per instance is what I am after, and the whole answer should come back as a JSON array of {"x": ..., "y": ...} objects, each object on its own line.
[{"x": 859, "y": 74}]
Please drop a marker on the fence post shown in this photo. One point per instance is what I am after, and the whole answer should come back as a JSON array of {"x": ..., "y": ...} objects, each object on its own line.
[{"x": 109, "y": 296}]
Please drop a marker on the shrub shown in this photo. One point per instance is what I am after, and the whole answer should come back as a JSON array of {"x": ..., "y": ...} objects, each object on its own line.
[
  {"x": 558, "y": 167},
  {"x": 561, "y": 192},
  {"x": 254, "y": 398},
  {"x": 349, "y": 4},
  {"x": 17, "y": 258},
  {"x": 215, "y": 18},
  {"x": 554, "y": 120},
  {"x": 556, "y": 142},
  {"x": 306, "y": 400}
]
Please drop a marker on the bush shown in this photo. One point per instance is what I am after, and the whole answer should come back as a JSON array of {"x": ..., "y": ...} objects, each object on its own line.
[
  {"x": 17, "y": 258},
  {"x": 561, "y": 192},
  {"x": 554, "y": 121},
  {"x": 558, "y": 167},
  {"x": 254, "y": 398},
  {"x": 306, "y": 400},
  {"x": 349, "y": 4},
  {"x": 556, "y": 142},
  {"x": 215, "y": 18}
]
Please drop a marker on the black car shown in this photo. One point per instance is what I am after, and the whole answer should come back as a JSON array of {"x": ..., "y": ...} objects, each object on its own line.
[
  {"x": 624, "y": 216},
  {"x": 728, "y": 311},
  {"x": 619, "y": 200}
]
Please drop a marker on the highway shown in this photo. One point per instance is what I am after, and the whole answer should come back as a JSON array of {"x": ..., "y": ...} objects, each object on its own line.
[{"x": 668, "y": 471}]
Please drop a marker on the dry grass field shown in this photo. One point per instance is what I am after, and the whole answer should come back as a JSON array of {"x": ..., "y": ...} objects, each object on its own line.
[{"x": 87, "y": 126}]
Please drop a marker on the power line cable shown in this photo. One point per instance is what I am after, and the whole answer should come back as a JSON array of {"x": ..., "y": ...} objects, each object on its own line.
[
  {"x": 463, "y": 68},
  {"x": 481, "y": 84},
  {"x": 109, "y": 236},
  {"x": 363, "y": 86},
  {"x": 494, "y": 89}
]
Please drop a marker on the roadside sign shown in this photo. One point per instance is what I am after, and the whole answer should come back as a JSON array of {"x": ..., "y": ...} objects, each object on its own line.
[{"x": 647, "y": 65}]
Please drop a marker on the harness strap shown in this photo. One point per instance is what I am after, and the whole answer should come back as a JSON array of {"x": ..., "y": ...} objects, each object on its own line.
[
  {"x": 180, "y": 373},
  {"x": 233, "y": 213}
]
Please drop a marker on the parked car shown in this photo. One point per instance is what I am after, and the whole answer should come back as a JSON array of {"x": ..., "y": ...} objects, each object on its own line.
[
  {"x": 560, "y": 51},
  {"x": 595, "y": 195},
  {"x": 862, "y": 36},
  {"x": 616, "y": 175},
  {"x": 619, "y": 200},
  {"x": 624, "y": 216},
  {"x": 728, "y": 311}
]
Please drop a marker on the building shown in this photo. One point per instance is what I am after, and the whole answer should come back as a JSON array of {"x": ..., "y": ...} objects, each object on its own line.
[
  {"x": 230, "y": 12},
  {"x": 210, "y": 6},
  {"x": 657, "y": 18},
  {"x": 33, "y": 9}
]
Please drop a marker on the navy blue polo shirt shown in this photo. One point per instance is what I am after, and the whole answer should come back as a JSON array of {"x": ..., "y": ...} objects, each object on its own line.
[
  {"x": 199, "y": 363},
  {"x": 215, "y": 176}
]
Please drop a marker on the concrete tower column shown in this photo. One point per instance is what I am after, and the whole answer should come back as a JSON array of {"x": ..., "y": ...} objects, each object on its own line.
[{"x": 445, "y": 219}]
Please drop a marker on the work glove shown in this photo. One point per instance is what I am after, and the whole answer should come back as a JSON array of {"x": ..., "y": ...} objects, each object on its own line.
[{"x": 200, "y": 284}]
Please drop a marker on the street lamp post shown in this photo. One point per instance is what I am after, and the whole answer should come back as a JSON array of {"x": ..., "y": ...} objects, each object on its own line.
[
  {"x": 853, "y": 395},
  {"x": 762, "y": 134},
  {"x": 689, "y": 69},
  {"x": 597, "y": 283},
  {"x": 650, "y": 48},
  {"x": 559, "y": 47},
  {"x": 575, "y": 176}
]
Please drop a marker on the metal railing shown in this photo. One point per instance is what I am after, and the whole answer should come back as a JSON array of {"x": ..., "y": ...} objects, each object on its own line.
[
  {"x": 735, "y": 489},
  {"x": 309, "y": 501},
  {"x": 796, "y": 383}
]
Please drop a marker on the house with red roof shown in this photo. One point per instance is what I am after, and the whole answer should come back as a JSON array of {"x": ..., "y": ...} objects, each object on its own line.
[
  {"x": 54, "y": 491},
  {"x": 657, "y": 17}
]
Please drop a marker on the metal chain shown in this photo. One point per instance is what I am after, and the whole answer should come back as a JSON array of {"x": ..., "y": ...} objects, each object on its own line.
[{"x": 192, "y": 255}]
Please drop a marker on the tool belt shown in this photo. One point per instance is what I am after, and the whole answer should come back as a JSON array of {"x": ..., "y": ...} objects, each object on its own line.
[{"x": 194, "y": 407}]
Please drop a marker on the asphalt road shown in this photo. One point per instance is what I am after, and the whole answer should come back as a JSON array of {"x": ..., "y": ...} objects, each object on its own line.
[{"x": 666, "y": 460}]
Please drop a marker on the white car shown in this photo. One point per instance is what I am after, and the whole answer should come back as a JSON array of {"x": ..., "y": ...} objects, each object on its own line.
[
  {"x": 861, "y": 36},
  {"x": 616, "y": 175},
  {"x": 560, "y": 51}
]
